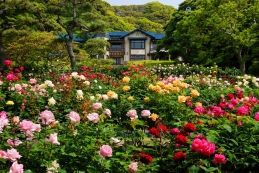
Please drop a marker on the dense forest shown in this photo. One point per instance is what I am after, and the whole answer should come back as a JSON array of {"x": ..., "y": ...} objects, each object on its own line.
[{"x": 29, "y": 28}]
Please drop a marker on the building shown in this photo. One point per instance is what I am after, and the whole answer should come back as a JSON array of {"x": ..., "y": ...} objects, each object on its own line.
[{"x": 135, "y": 45}]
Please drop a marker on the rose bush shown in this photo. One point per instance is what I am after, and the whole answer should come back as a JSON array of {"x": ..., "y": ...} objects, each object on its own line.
[{"x": 160, "y": 119}]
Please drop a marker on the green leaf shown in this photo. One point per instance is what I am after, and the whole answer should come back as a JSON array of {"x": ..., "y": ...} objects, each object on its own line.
[
  {"x": 27, "y": 171},
  {"x": 193, "y": 169},
  {"x": 62, "y": 171},
  {"x": 73, "y": 154},
  {"x": 228, "y": 128},
  {"x": 247, "y": 149},
  {"x": 235, "y": 142},
  {"x": 212, "y": 138}
]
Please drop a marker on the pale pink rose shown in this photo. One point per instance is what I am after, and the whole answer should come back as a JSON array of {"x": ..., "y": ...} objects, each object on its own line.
[
  {"x": 3, "y": 122},
  {"x": 13, "y": 155},
  {"x": 105, "y": 151},
  {"x": 1, "y": 82},
  {"x": 14, "y": 142},
  {"x": 107, "y": 112},
  {"x": 132, "y": 114},
  {"x": 28, "y": 127},
  {"x": 33, "y": 81},
  {"x": 74, "y": 117},
  {"x": 18, "y": 87},
  {"x": 257, "y": 116},
  {"x": 133, "y": 167},
  {"x": 53, "y": 138},
  {"x": 97, "y": 106},
  {"x": 145, "y": 113},
  {"x": 16, "y": 168},
  {"x": 2, "y": 154},
  {"x": 47, "y": 117},
  {"x": 93, "y": 117}
]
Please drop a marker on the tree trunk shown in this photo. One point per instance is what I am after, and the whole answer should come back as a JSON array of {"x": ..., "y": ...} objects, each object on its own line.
[
  {"x": 70, "y": 48},
  {"x": 242, "y": 63},
  {"x": 2, "y": 51},
  {"x": 71, "y": 54}
]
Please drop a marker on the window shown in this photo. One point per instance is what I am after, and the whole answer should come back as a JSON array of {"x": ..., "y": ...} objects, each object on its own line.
[
  {"x": 137, "y": 57},
  {"x": 100, "y": 56},
  {"x": 117, "y": 61},
  {"x": 153, "y": 46},
  {"x": 116, "y": 47},
  {"x": 137, "y": 44}
]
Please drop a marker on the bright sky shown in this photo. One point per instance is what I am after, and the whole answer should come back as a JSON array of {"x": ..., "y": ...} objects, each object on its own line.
[{"x": 174, "y": 3}]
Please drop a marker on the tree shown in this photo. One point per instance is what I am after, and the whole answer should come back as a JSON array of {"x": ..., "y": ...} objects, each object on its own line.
[
  {"x": 96, "y": 46},
  {"x": 77, "y": 18},
  {"x": 216, "y": 30},
  {"x": 19, "y": 16}
]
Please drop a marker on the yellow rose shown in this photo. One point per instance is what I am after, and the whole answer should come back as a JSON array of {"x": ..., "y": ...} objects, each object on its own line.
[
  {"x": 154, "y": 116},
  {"x": 130, "y": 98},
  {"x": 126, "y": 79},
  {"x": 181, "y": 99},
  {"x": 146, "y": 99},
  {"x": 195, "y": 93},
  {"x": 176, "y": 82},
  {"x": 10, "y": 103},
  {"x": 198, "y": 104},
  {"x": 126, "y": 88}
]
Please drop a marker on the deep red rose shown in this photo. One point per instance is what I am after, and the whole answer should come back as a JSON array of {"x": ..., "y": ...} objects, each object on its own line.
[
  {"x": 240, "y": 95},
  {"x": 180, "y": 139},
  {"x": 161, "y": 127},
  {"x": 179, "y": 156},
  {"x": 146, "y": 158},
  {"x": 230, "y": 96},
  {"x": 154, "y": 131},
  {"x": 189, "y": 127}
]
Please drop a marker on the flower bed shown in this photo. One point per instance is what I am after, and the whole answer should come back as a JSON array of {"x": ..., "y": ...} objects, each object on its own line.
[{"x": 143, "y": 120}]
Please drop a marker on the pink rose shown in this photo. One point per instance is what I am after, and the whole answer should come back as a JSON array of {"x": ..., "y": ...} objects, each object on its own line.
[
  {"x": 7, "y": 62},
  {"x": 12, "y": 155},
  {"x": 16, "y": 168},
  {"x": 97, "y": 106},
  {"x": 2, "y": 154},
  {"x": 133, "y": 167},
  {"x": 105, "y": 151},
  {"x": 28, "y": 127},
  {"x": 14, "y": 142},
  {"x": 257, "y": 116},
  {"x": 145, "y": 113},
  {"x": 132, "y": 114},
  {"x": 16, "y": 119},
  {"x": 11, "y": 77},
  {"x": 33, "y": 81},
  {"x": 199, "y": 110},
  {"x": 243, "y": 110},
  {"x": 53, "y": 139},
  {"x": 74, "y": 117},
  {"x": 219, "y": 158},
  {"x": 93, "y": 117},
  {"x": 174, "y": 131},
  {"x": 107, "y": 112},
  {"x": 47, "y": 117}
]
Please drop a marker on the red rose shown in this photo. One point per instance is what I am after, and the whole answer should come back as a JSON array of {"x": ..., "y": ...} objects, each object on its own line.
[
  {"x": 179, "y": 156},
  {"x": 239, "y": 95},
  {"x": 161, "y": 128},
  {"x": 146, "y": 158},
  {"x": 180, "y": 139},
  {"x": 189, "y": 127},
  {"x": 154, "y": 131},
  {"x": 230, "y": 96}
]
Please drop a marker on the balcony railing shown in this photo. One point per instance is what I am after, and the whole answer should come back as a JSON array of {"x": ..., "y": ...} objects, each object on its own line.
[{"x": 115, "y": 49}]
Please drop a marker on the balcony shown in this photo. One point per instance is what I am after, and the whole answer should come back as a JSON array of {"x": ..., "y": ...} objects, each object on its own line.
[{"x": 116, "y": 51}]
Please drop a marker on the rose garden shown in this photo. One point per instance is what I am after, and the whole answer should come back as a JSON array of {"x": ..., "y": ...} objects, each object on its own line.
[{"x": 134, "y": 118}]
